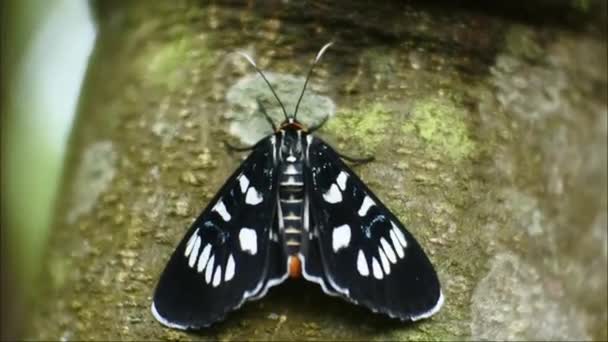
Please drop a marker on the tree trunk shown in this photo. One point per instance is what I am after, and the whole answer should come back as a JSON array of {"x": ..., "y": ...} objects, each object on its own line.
[{"x": 489, "y": 133}]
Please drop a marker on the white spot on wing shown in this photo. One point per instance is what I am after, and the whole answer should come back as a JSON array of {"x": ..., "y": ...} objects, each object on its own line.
[
  {"x": 362, "y": 264},
  {"x": 243, "y": 183},
  {"x": 341, "y": 180},
  {"x": 333, "y": 195},
  {"x": 209, "y": 271},
  {"x": 367, "y": 203},
  {"x": 248, "y": 240},
  {"x": 202, "y": 260},
  {"x": 217, "y": 276},
  {"x": 194, "y": 254},
  {"x": 220, "y": 208},
  {"x": 190, "y": 243},
  {"x": 340, "y": 237},
  {"x": 376, "y": 269},
  {"x": 229, "y": 269},
  {"x": 400, "y": 235},
  {"x": 396, "y": 244},
  {"x": 388, "y": 250},
  {"x": 386, "y": 266},
  {"x": 253, "y": 197}
]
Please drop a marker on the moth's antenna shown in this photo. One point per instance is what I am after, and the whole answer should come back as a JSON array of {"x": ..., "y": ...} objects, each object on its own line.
[
  {"x": 319, "y": 54},
  {"x": 250, "y": 60}
]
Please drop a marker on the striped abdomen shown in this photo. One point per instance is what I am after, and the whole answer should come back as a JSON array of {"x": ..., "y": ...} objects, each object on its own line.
[{"x": 291, "y": 205}]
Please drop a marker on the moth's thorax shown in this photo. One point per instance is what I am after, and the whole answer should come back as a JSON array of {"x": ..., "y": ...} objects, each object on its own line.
[
  {"x": 291, "y": 200},
  {"x": 291, "y": 149}
]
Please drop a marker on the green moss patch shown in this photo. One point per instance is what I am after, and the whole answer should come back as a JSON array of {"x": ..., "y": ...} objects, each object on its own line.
[
  {"x": 171, "y": 63},
  {"x": 440, "y": 125},
  {"x": 365, "y": 126}
]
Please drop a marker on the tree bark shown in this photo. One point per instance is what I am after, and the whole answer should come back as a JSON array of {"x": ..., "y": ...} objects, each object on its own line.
[{"x": 487, "y": 133}]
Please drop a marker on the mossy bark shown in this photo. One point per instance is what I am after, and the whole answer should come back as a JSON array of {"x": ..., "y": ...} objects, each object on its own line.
[{"x": 469, "y": 116}]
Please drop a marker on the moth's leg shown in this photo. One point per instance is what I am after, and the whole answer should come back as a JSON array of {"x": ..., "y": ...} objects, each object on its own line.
[
  {"x": 357, "y": 161},
  {"x": 268, "y": 118},
  {"x": 236, "y": 148},
  {"x": 311, "y": 129}
]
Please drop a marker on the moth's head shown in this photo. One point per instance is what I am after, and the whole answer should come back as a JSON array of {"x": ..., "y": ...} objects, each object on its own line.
[{"x": 291, "y": 124}]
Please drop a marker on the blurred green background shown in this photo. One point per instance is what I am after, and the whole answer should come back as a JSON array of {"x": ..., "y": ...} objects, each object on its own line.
[{"x": 45, "y": 49}]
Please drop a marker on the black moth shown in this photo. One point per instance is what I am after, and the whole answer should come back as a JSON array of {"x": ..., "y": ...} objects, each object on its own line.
[{"x": 294, "y": 208}]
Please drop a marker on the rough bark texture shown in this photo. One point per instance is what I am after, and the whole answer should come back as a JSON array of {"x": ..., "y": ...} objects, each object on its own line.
[{"x": 489, "y": 134}]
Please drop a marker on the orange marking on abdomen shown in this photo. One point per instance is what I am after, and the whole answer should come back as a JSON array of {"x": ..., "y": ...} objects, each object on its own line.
[{"x": 295, "y": 266}]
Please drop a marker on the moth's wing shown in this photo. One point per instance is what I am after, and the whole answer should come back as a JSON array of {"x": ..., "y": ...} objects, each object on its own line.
[
  {"x": 227, "y": 255},
  {"x": 367, "y": 254},
  {"x": 312, "y": 264}
]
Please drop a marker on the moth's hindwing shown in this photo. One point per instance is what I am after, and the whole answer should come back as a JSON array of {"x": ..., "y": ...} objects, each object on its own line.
[
  {"x": 228, "y": 255},
  {"x": 366, "y": 253}
]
